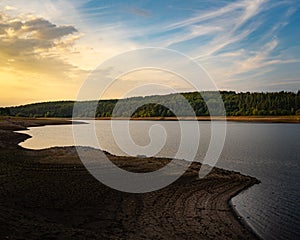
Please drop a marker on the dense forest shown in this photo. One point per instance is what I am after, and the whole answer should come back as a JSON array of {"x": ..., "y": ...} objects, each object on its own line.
[{"x": 236, "y": 104}]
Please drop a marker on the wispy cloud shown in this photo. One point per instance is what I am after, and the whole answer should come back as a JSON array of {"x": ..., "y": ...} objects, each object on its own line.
[
  {"x": 192, "y": 33},
  {"x": 139, "y": 12},
  {"x": 229, "y": 53},
  {"x": 232, "y": 18},
  {"x": 202, "y": 16},
  {"x": 258, "y": 60}
]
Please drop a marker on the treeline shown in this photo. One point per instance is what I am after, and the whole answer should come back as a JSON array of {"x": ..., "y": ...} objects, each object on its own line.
[{"x": 236, "y": 104}]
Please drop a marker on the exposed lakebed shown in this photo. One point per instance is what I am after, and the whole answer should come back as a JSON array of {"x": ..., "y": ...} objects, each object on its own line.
[{"x": 269, "y": 152}]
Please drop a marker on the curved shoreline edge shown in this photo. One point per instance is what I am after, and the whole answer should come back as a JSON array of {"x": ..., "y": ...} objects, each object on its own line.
[
  {"x": 187, "y": 196},
  {"x": 238, "y": 216}
]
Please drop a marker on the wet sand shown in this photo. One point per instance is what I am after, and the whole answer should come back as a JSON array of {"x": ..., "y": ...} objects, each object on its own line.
[{"x": 48, "y": 194}]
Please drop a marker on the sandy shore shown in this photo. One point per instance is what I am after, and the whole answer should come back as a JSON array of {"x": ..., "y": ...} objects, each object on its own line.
[{"x": 48, "y": 194}]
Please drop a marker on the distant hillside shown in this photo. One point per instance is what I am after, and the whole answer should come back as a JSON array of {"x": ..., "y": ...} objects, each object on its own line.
[{"x": 236, "y": 104}]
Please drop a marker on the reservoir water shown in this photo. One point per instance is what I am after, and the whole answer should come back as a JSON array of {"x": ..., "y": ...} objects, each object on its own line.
[{"x": 269, "y": 152}]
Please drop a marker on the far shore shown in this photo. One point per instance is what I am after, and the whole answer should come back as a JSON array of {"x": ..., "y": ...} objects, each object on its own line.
[
  {"x": 258, "y": 119},
  {"x": 255, "y": 119}
]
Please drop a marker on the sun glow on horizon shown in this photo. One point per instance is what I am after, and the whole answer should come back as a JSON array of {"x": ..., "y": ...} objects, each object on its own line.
[{"x": 49, "y": 48}]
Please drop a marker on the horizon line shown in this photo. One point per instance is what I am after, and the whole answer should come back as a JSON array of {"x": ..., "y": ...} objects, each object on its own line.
[{"x": 110, "y": 99}]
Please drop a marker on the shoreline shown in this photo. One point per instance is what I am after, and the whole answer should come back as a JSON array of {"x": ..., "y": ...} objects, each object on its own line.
[
  {"x": 239, "y": 217},
  {"x": 206, "y": 220},
  {"x": 248, "y": 119},
  {"x": 255, "y": 119}
]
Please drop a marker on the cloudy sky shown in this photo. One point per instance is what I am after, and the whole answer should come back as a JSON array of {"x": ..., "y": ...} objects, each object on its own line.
[{"x": 48, "y": 48}]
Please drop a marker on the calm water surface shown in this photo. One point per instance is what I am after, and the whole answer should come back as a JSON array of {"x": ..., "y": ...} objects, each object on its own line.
[{"x": 269, "y": 152}]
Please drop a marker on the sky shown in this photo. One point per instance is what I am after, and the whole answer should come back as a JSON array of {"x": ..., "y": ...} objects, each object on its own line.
[{"x": 48, "y": 48}]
